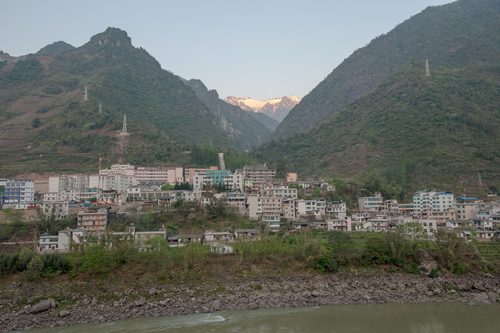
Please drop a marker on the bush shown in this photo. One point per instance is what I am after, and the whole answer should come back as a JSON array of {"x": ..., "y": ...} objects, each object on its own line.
[
  {"x": 327, "y": 264},
  {"x": 459, "y": 268},
  {"x": 411, "y": 268},
  {"x": 34, "y": 268},
  {"x": 433, "y": 274}
]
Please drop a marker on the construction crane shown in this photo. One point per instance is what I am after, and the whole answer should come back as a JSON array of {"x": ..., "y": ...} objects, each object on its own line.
[{"x": 99, "y": 158}]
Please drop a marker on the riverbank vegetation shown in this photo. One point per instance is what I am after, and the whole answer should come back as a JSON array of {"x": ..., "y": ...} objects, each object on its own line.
[{"x": 405, "y": 250}]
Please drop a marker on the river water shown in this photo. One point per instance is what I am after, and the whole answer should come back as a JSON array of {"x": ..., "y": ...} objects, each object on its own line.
[{"x": 386, "y": 318}]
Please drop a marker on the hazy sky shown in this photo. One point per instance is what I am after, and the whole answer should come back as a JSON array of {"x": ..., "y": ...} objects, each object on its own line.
[{"x": 261, "y": 49}]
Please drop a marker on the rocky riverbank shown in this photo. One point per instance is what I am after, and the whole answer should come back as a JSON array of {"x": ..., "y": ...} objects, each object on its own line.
[{"x": 29, "y": 305}]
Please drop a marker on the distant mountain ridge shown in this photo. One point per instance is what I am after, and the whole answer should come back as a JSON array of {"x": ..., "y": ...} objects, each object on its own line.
[
  {"x": 246, "y": 130},
  {"x": 276, "y": 108},
  {"x": 437, "y": 33},
  {"x": 55, "y": 48}
]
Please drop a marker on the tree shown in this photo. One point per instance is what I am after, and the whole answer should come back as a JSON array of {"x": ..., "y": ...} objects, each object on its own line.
[
  {"x": 281, "y": 170},
  {"x": 36, "y": 122},
  {"x": 166, "y": 187}
]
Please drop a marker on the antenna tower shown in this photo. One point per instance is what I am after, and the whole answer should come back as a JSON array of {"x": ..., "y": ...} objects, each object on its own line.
[
  {"x": 85, "y": 97},
  {"x": 427, "y": 70},
  {"x": 124, "y": 124},
  {"x": 100, "y": 108}
]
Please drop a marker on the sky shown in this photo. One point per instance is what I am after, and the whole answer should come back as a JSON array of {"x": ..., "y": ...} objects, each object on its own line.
[{"x": 259, "y": 49}]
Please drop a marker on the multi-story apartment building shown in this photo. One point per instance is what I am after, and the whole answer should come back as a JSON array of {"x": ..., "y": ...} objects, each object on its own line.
[
  {"x": 231, "y": 181},
  {"x": 63, "y": 196},
  {"x": 59, "y": 209},
  {"x": 117, "y": 169},
  {"x": 68, "y": 183},
  {"x": 116, "y": 182},
  {"x": 189, "y": 173},
  {"x": 379, "y": 223},
  {"x": 289, "y": 210},
  {"x": 282, "y": 191},
  {"x": 344, "y": 224},
  {"x": 160, "y": 175},
  {"x": 466, "y": 208},
  {"x": 336, "y": 209},
  {"x": 441, "y": 216},
  {"x": 259, "y": 175},
  {"x": 15, "y": 191},
  {"x": 93, "y": 218},
  {"x": 432, "y": 200},
  {"x": 370, "y": 204},
  {"x": 305, "y": 207},
  {"x": 484, "y": 212},
  {"x": 271, "y": 205},
  {"x": 236, "y": 200}
]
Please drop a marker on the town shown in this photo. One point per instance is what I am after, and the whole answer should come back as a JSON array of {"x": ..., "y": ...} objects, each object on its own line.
[{"x": 276, "y": 205}]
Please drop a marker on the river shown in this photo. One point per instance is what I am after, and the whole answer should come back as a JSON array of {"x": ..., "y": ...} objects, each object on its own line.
[{"x": 374, "y": 318}]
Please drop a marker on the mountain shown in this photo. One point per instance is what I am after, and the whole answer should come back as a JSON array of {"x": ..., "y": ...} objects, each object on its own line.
[
  {"x": 6, "y": 58},
  {"x": 247, "y": 131},
  {"x": 42, "y": 105},
  {"x": 437, "y": 33},
  {"x": 422, "y": 132},
  {"x": 55, "y": 48},
  {"x": 267, "y": 121},
  {"x": 276, "y": 108}
]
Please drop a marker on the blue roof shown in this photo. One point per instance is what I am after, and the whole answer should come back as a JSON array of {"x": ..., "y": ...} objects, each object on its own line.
[{"x": 463, "y": 199}]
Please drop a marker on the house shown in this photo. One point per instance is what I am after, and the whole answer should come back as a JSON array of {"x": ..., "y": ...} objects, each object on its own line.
[
  {"x": 432, "y": 200},
  {"x": 272, "y": 221},
  {"x": 336, "y": 209},
  {"x": 246, "y": 234},
  {"x": 379, "y": 223},
  {"x": 218, "y": 236},
  {"x": 93, "y": 218},
  {"x": 48, "y": 243},
  {"x": 344, "y": 224},
  {"x": 370, "y": 204}
]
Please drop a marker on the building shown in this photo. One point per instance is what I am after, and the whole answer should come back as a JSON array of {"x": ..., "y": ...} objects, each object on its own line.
[
  {"x": 59, "y": 209},
  {"x": 379, "y": 223},
  {"x": 432, "y": 200},
  {"x": 62, "y": 183},
  {"x": 191, "y": 172},
  {"x": 259, "y": 175},
  {"x": 271, "y": 205},
  {"x": 93, "y": 219},
  {"x": 15, "y": 191},
  {"x": 336, "y": 209},
  {"x": 291, "y": 177},
  {"x": 370, "y": 204},
  {"x": 272, "y": 221},
  {"x": 441, "y": 216},
  {"x": 234, "y": 182},
  {"x": 305, "y": 207},
  {"x": 344, "y": 224},
  {"x": 116, "y": 182},
  {"x": 282, "y": 191},
  {"x": 160, "y": 175},
  {"x": 466, "y": 208},
  {"x": 288, "y": 207},
  {"x": 117, "y": 169}
]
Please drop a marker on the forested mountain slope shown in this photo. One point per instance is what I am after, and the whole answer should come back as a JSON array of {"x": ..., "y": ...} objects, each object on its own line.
[
  {"x": 437, "y": 33},
  {"x": 42, "y": 106},
  {"x": 419, "y": 131},
  {"x": 246, "y": 130}
]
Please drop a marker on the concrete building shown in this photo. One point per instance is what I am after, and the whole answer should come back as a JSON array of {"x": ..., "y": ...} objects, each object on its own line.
[
  {"x": 93, "y": 219},
  {"x": 68, "y": 182},
  {"x": 59, "y": 209},
  {"x": 259, "y": 175},
  {"x": 466, "y": 208},
  {"x": 288, "y": 207},
  {"x": 116, "y": 182},
  {"x": 370, "y": 204},
  {"x": 117, "y": 169},
  {"x": 282, "y": 191},
  {"x": 344, "y": 224},
  {"x": 336, "y": 209},
  {"x": 305, "y": 207},
  {"x": 432, "y": 200},
  {"x": 271, "y": 205},
  {"x": 191, "y": 172},
  {"x": 160, "y": 175},
  {"x": 16, "y": 191}
]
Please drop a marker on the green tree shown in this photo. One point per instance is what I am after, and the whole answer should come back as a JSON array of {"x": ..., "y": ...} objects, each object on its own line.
[{"x": 35, "y": 123}]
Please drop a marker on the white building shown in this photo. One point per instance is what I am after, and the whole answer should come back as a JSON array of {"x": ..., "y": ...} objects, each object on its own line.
[
  {"x": 59, "y": 209},
  {"x": 432, "y": 200},
  {"x": 370, "y": 204},
  {"x": 337, "y": 209},
  {"x": 15, "y": 191},
  {"x": 115, "y": 182},
  {"x": 67, "y": 183},
  {"x": 117, "y": 169}
]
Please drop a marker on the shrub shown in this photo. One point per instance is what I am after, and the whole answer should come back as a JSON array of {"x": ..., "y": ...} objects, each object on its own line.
[
  {"x": 327, "y": 264},
  {"x": 459, "y": 268},
  {"x": 433, "y": 274},
  {"x": 34, "y": 268}
]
